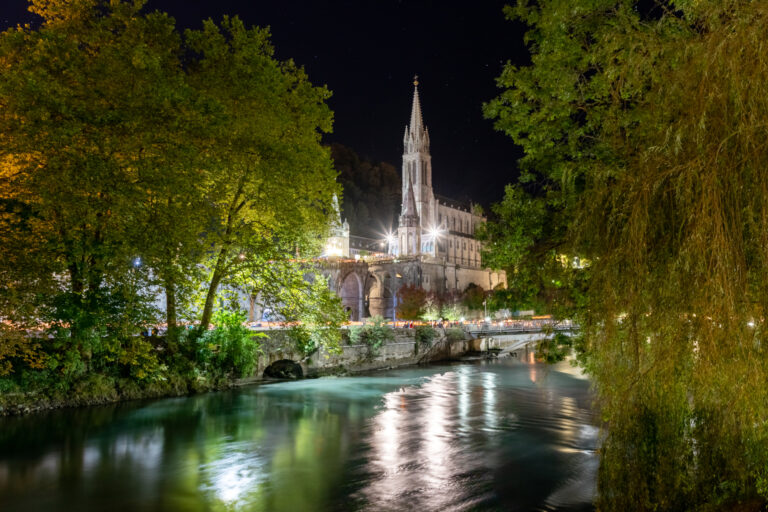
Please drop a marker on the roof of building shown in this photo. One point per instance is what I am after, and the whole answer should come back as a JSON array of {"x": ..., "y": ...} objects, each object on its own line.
[{"x": 453, "y": 203}]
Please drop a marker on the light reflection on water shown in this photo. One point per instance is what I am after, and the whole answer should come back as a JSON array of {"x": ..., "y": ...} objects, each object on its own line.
[{"x": 512, "y": 434}]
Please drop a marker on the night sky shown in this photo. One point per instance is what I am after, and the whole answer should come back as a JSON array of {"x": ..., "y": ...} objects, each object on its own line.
[{"x": 367, "y": 52}]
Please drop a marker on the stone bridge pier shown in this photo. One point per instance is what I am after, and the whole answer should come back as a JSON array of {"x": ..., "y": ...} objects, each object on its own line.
[{"x": 369, "y": 288}]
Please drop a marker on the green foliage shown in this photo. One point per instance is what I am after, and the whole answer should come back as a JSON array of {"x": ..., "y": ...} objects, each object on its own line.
[
  {"x": 473, "y": 298},
  {"x": 432, "y": 308},
  {"x": 554, "y": 349},
  {"x": 303, "y": 297},
  {"x": 133, "y": 158},
  {"x": 454, "y": 334},
  {"x": 302, "y": 338},
  {"x": 16, "y": 348},
  {"x": 230, "y": 348},
  {"x": 642, "y": 215},
  {"x": 374, "y": 332},
  {"x": 452, "y": 312},
  {"x": 424, "y": 334}
]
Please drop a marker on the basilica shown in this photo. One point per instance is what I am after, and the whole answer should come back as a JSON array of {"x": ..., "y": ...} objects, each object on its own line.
[
  {"x": 430, "y": 225},
  {"x": 433, "y": 247}
]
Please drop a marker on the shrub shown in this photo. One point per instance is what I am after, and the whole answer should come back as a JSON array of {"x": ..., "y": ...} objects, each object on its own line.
[
  {"x": 424, "y": 334},
  {"x": 138, "y": 356},
  {"x": 94, "y": 388},
  {"x": 302, "y": 339},
  {"x": 374, "y": 333},
  {"x": 309, "y": 338},
  {"x": 230, "y": 348},
  {"x": 454, "y": 334},
  {"x": 555, "y": 349}
]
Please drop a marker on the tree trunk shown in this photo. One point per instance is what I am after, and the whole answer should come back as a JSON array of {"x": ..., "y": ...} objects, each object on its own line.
[
  {"x": 172, "y": 334},
  {"x": 218, "y": 274},
  {"x": 219, "y": 270}
]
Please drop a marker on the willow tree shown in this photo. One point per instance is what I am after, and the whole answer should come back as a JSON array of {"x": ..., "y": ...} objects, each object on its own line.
[{"x": 644, "y": 132}]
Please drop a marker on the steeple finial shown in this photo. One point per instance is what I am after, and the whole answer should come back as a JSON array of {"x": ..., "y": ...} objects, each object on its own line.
[{"x": 415, "y": 80}]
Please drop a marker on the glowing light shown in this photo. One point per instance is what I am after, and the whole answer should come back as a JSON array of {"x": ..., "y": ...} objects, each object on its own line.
[
  {"x": 434, "y": 232},
  {"x": 137, "y": 262},
  {"x": 332, "y": 250}
]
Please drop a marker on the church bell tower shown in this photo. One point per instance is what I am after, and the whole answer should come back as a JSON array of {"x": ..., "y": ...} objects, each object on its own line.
[{"x": 417, "y": 165}]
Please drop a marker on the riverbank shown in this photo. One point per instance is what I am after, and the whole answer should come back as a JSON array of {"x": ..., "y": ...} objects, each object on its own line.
[{"x": 404, "y": 350}]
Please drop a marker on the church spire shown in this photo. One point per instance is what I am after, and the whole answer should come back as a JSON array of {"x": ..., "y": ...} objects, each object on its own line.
[{"x": 417, "y": 124}]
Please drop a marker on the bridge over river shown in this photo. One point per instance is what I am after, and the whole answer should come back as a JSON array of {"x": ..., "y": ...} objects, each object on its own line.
[{"x": 405, "y": 348}]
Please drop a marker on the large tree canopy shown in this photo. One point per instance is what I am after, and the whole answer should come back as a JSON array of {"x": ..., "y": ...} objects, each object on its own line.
[
  {"x": 135, "y": 159},
  {"x": 643, "y": 129}
]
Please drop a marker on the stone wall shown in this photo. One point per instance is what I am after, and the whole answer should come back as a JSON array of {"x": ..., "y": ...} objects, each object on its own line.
[{"x": 404, "y": 350}]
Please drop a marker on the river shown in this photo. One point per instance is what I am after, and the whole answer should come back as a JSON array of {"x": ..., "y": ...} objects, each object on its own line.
[{"x": 509, "y": 434}]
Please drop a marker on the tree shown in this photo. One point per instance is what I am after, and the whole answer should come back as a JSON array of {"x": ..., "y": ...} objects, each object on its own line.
[
  {"x": 74, "y": 94},
  {"x": 640, "y": 126},
  {"x": 473, "y": 298},
  {"x": 432, "y": 306},
  {"x": 411, "y": 301},
  {"x": 133, "y": 157},
  {"x": 275, "y": 181}
]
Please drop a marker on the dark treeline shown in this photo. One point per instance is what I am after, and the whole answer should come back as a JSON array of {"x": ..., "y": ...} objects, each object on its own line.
[{"x": 371, "y": 201}]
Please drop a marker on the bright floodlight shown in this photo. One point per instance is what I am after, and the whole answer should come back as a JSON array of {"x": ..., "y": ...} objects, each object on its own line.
[
  {"x": 434, "y": 232},
  {"x": 390, "y": 238}
]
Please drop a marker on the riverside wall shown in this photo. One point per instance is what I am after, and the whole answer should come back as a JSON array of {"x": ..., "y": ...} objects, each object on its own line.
[{"x": 404, "y": 350}]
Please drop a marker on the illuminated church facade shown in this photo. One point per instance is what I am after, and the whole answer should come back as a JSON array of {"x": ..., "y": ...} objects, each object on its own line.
[
  {"x": 430, "y": 225},
  {"x": 433, "y": 247}
]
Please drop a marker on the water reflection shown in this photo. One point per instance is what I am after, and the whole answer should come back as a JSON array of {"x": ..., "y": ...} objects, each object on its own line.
[{"x": 510, "y": 434}]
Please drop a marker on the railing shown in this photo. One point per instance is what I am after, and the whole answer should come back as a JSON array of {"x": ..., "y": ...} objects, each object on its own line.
[{"x": 515, "y": 326}]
